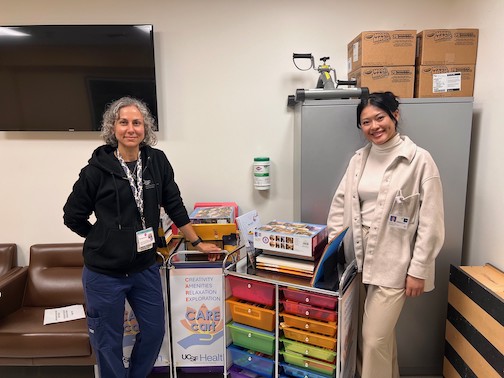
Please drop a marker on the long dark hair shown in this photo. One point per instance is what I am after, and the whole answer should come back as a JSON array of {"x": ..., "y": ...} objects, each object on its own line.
[{"x": 385, "y": 101}]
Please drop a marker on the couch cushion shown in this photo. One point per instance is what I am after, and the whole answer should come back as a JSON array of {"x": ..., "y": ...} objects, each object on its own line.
[
  {"x": 54, "y": 275},
  {"x": 23, "y": 335}
]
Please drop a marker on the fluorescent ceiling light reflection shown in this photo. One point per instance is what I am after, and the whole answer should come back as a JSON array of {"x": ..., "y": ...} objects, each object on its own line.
[
  {"x": 11, "y": 32},
  {"x": 144, "y": 28}
]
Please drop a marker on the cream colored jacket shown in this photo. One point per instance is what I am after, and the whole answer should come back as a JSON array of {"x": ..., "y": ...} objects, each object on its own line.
[{"x": 393, "y": 252}]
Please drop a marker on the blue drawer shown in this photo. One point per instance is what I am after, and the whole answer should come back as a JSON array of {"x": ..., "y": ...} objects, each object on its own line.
[
  {"x": 250, "y": 361},
  {"x": 297, "y": 372}
]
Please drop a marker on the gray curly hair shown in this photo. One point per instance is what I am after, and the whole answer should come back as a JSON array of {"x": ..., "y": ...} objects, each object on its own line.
[{"x": 112, "y": 114}]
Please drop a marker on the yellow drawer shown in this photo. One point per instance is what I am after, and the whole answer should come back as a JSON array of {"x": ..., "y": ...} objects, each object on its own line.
[
  {"x": 254, "y": 315},
  {"x": 308, "y": 337},
  {"x": 325, "y": 328}
]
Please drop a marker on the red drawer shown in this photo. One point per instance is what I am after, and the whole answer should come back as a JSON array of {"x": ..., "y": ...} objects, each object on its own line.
[
  {"x": 252, "y": 291},
  {"x": 301, "y": 309},
  {"x": 313, "y": 299}
]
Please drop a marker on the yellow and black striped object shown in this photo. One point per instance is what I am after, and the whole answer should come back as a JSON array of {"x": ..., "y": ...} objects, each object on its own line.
[{"x": 474, "y": 344}]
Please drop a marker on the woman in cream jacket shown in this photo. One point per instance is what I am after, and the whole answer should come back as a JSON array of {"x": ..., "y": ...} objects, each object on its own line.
[{"x": 391, "y": 199}]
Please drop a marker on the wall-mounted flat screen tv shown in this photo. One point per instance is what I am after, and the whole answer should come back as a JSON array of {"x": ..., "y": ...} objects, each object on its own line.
[{"x": 61, "y": 77}]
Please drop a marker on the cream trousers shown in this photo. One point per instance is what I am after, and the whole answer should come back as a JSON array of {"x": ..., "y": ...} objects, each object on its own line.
[
  {"x": 380, "y": 313},
  {"x": 382, "y": 308}
]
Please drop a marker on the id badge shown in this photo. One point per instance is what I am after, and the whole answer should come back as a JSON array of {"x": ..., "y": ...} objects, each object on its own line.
[
  {"x": 145, "y": 239},
  {"x": 398, "y": 221}
]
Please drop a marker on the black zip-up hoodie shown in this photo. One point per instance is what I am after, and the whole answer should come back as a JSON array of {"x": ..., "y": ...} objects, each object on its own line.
[{"x": 103, "y": 188}]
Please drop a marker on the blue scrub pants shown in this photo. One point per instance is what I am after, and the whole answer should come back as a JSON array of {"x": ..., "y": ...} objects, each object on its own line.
[{"x": 105, "y": 298}]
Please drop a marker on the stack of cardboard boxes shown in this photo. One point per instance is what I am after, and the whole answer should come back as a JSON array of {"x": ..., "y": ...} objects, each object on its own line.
[
  {"x": 384, "y": 61},
  {"x": 445, "y": 62},
  {"x": 432, "y": 63}
]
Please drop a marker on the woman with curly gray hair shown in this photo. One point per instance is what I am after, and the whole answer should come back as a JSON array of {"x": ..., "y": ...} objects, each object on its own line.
[
  {"x": 112, "y": 113},
  {"x": 125, "y": 184}
]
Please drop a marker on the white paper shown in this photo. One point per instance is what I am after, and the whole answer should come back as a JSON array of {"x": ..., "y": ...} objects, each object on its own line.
[
  {"x": 63, "y": 314},
  {"x": 246, "y": 224}
]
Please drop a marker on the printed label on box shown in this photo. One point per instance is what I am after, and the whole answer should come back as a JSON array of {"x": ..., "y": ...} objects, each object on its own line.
[
  {"x": 356, "y": 51},
  {"x": 446, "y": 82}
]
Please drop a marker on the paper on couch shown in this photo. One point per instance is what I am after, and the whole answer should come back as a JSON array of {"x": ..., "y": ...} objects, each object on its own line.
[{"x": 63, "y": 314}]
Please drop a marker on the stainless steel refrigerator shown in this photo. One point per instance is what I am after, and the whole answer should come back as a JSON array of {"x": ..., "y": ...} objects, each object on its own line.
[{"x": 326, "y": 137}]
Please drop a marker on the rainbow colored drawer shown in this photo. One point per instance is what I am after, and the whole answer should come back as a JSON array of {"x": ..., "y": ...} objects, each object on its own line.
[
  {"x": 252, "y": 338},
  {"x": 325, "y": 328},
  {"x": 297, "y": 372},
  {"x": 308, "y": 311},
  {"x": 252, "y": 291},
  {"x": 308, "y": 337},
  {"x": 313, "y": 299},
  {"x": 247, "y": 360},
  {"x": 254, "y": 315},
  {"x": 308, "y": 350},
  {"x": 308, "y": 363}
]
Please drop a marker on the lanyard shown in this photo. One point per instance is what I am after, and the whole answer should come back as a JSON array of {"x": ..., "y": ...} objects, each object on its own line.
[{"x": 136, "y": 188}]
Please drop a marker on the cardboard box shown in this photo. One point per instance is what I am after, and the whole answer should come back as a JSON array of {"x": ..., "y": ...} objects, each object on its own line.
[
  {"x": 447, "y": 46},
  {"x": 234, "y": 205},
  {"x": 399, "y": 80},
  {"x": 297, "y": 239},
  {"x": 445, "y": 81},
  {"x": 217, "y": 214},
  {"x": 382, "y": 48}
]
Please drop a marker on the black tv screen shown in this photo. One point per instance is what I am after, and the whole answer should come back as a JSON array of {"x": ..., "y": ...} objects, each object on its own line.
[{"x": 61, "y": 77}]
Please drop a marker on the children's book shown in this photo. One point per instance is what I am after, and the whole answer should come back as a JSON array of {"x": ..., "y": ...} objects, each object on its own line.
[{"x": 246, "y": 224}]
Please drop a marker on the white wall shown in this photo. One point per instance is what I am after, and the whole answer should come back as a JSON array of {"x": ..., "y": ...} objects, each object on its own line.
[{"x": 224, "y": 71}]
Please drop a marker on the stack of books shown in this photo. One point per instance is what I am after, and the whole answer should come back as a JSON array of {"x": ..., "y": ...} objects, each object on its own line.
[{"x": 286, "y": 265}]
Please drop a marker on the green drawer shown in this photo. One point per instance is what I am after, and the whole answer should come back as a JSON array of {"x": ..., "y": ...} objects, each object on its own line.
[
  {"x": 308, "y": 363},
  {"x": 309, "y": 350},
  {"x": 252, "y": 338}
]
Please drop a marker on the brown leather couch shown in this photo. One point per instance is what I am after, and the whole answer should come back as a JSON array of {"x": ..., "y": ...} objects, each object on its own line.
[
  {"x": 8, "y": 257},
  {"x": 52, "y": 279}
]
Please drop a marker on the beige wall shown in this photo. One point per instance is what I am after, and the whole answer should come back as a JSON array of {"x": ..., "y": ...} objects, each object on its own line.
[{"x": 224, "y": 72}]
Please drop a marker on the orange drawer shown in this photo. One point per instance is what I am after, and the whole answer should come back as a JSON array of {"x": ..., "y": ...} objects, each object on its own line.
[
  {"x": 308, "y": 337},
  {"x": 325, "y": 328},
  {"x": 252, "y": 314},
  {"x": 313, "y": 299}
]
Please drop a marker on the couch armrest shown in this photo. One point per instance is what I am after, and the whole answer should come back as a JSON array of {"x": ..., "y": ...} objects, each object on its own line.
[
  {"x": 8, "y": 256},
  {"x": 12, "y": 288}
]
